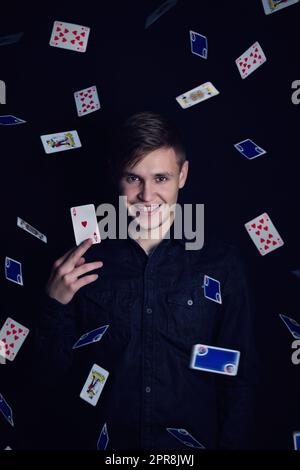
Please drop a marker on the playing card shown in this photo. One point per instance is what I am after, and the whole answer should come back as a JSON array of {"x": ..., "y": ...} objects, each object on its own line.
[
  {"x": 91, "y": 337},
  {"x": 13, "y": 271},
  {"x": 264, "y": 234},
  {"x": 8, "y": 448},
  {"x": 212, "y": 289},
  {"x": 296, "y": 438},
  {"x": 94, "y": 384},
  {"x": 10, "y": 39},
  {"x": 270, "y": 6},
  {"x": 12, "y": 336},
  {"x": 6, "y": 410},
  {"x": 214, "y": 359},
  {"x": 69, "y": 36},
  {"x": 161, "y": 10},
  {"x": 9, "y": 120},
  {"x": 198, "y": 44},
  {"x": 61, "y": 141},
  {"x": 249, "y": 149},
  {"x": 28, "y": 228},
  {"x": 103, "y": 438},
  {"x": 292, "y": 325},
  {"x": 250, "y": 60},
  {"x": 185, "y": 437},
  {"x": 85, "y": 223},
  {"x": 194, "y": 96},
  {"x": 87, "y": 101}
]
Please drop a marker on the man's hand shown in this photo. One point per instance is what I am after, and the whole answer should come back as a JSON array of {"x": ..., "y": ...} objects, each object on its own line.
[{"x": 63, "y": 282}]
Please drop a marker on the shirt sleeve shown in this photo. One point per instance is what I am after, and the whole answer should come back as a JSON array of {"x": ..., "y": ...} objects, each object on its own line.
[
  {"x": 56, "y": 334},
  {"x": 237, "y": 394}
]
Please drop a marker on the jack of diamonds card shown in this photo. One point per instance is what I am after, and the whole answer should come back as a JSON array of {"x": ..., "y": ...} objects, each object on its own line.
[
  {"x": 69, "y": 36},
  {"x": 264, "y": 234},
  {"x": 12, "y": 336},
  {"x": 250, "y": 60},
  {"x": 87, "y": 101}
]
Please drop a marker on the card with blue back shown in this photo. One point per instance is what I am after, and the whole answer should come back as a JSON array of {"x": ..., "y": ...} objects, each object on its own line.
[
  {"x": 103, "y": 438},
  {"x": 296, "y": 437},
  {"x": 185, "y": 437},
  {"x": 212, "y": 289},
  {"x": 8, "y": 120},
  {"x": 6, "y": 410},
  {"x": 91, "y": 337},
  {"x": 292, "y": 325},
  {"x": 13, "y": 271},
  {"x": 198, "y": 44},
  {"x": 215, "y": 359},
  {"x": 249, "y": 149}
]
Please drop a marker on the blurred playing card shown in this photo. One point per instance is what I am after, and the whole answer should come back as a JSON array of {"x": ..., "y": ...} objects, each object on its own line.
[
  {"x": 270, "y": 6},
  {"x": 91, "y": 337},
  {"x": 87, "y": 101},
  {"x": 103, "y": 438},
  {"x": 10, "y": 39},
  {"x": 28, "y": 228},
  {"x": 212, "y": 289},
  {"x": 59, "y": 142},
  {"x": 185, "y": 437},
  {"x": 214, "y": 359},
  {"x": 196, "y": 95},
  {"x": 264, "y": 234},
  {"x": 198, "y": 44},
  {"x": 6, "y": 410},
  {"x": 296, "y": 438},
  {"x": 12, "y": 336},
  {"x": 9, "y": 120},
  {"x": 161, "y": 10},
  {"x": 249, "y": 149},
  {"x": 94, "y": 384},
  {"x": 69, "y": 36},
  {"x": 85, "y": 223},
  {"x": 8, "y": 448},
  {"x": 292, "y": 325},
  {"x": 13, "y": 271},
  {"x": 250, "y": 60}
]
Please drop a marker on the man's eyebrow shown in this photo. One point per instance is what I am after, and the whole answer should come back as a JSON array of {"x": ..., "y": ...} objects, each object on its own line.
[{"x": 165, "y": 173}]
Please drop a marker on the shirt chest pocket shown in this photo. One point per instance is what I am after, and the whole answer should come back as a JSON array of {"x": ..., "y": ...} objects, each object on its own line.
[{"x": 190, "y": 317}]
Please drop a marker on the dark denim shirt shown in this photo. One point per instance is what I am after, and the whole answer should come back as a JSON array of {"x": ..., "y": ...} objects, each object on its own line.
[{"x": 156, "y": 311}]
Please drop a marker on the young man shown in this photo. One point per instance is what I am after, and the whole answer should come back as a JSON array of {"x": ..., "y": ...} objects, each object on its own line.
[{"x": 149, "y": 290}]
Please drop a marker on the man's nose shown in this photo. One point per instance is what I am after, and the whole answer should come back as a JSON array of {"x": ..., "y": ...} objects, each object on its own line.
[{"x": 147, "y": 191}]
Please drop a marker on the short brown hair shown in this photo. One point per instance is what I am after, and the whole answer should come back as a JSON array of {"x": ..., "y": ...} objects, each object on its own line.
[{"x": 141, "y": 134}]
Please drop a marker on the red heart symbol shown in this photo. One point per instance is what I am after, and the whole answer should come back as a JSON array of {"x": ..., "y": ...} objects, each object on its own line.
[
  {"x": 262, "y": 240},
  {"x": 84, "y": 104},
  {"x": 257, "y": 233},
  {"x": 82, "y": 34},
  {"x": 61, "y": 34},
  {"x": 16, "y": 337},
  {"x": 64, "y": 40},
  {"x": 77, "y": 37},
  {"x": 66, "y": 31},
  {"x": 270, "y": 235},
  {"x": 250, "y": 55},
  {"x": 84, "y": 110},
  {"x": 82, "y": 99},
  {"x": 8, "y": 333},
  {"x": 56, "y": 38},
  {"x": 58, "y": 28},
  {"x": 268, "y": 242},
  {"x": 12, "y": 325},
  {"x": 241, "y": 63},
  {"x": 8, "y": 353},
  {"x": 89, "y": 91},
  {"x": 93, "y": 107},
  {"x": 88, "y": 106},
  {"x": 12, "y": 345},
  {"x": 253, "y": 225},
  {"x": 256, "y": 50},
  {"x": 246, "y": 58},
  {"x": 75, "y": 33},
  {"x": 84, "y": 223},
  {"x": 259, "y": 226},
  {"x": 81, "y": 93},
  {"x": 20, "y": 330},
  {"x": 14, "y": 332},
  {"x": 90, "y": 96},
  {"x": 261, "y": 221},
  {"x": 3, "y": 340},
  {"x": 73, "y": 41},
  {"x": 85, "y": 94},
  {"x": 266, "y": 228},
  {"x": 266, "y": 247},
  {"x": 80, "y": 43},
  {"x": 248, "y": 66},
  {"x": 92, "y": 102},
  {"x": 254, "y": 62},
  {"x": 259, "y": 56},
  {"x": 274, "y": 243},
  {"x": 243, "y": 71}
]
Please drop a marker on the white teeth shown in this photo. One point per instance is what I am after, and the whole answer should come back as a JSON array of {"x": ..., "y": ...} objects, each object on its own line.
[{"x": 148, "y": 208}]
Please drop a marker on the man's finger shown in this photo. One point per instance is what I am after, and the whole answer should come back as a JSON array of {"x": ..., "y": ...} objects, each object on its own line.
[
  {"x": 85, "y": 268},
  {"x": 80, "y": 262},
  {"x": 78, "y": 253},
  {"x": 60, "y": 260},
  {"x": 83, "y": 281}
]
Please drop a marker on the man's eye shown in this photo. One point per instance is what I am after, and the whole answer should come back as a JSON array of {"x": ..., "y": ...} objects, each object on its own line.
[
  {"x": 131, "y": 179},
  {"x": 161, "y": 179}
]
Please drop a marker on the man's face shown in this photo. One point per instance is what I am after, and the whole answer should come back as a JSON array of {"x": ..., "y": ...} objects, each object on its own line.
[{"x": 151, "y": 187}]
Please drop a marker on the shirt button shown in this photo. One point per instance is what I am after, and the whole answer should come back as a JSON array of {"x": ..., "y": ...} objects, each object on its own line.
[
  {"x": 149, "y": 310},
  {"x": 190, "y": 302},
  {"x": 148, "y": 389}
]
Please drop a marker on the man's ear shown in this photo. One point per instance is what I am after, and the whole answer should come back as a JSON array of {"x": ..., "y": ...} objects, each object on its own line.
[{"x": 183, "y": 174}]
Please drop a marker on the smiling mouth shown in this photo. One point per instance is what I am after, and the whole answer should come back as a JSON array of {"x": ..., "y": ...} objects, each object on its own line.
[{"x": 147, "y": 209}]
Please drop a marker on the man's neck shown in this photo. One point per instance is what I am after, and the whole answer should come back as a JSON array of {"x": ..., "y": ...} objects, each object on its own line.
[{"x": 149, "y": 239}]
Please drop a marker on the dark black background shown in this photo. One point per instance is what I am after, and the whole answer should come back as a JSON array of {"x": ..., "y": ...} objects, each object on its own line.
[{"x": 136, "y": 69}]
